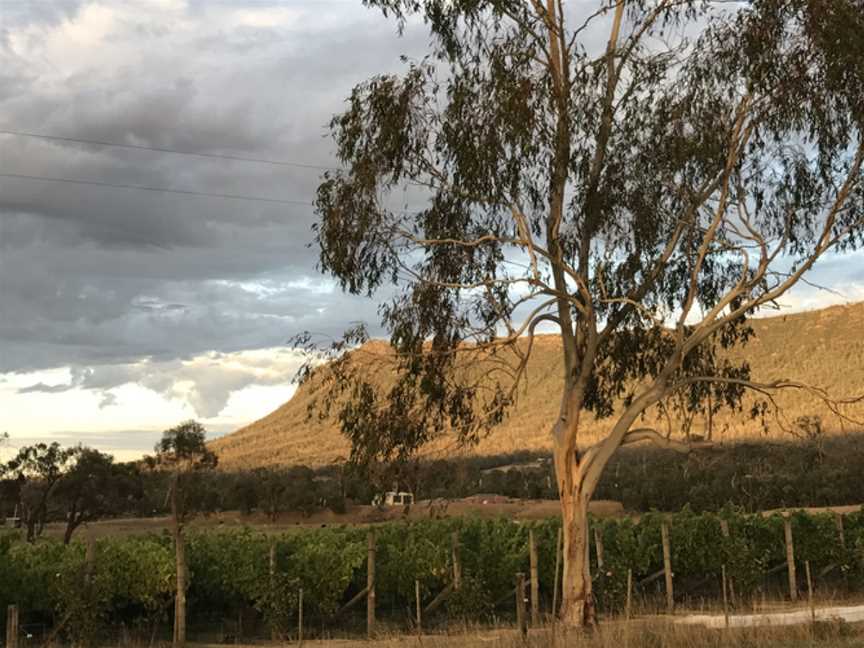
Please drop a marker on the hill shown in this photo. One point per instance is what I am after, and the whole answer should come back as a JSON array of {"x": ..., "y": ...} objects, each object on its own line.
[{"x": 824, "y": 348}]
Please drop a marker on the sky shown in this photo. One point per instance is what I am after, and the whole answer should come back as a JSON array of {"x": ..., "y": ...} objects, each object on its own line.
[{"x": 125, "y": 311}]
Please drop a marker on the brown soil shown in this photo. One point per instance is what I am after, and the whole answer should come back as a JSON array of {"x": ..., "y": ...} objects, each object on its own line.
[{"x": 491, "y": 506}]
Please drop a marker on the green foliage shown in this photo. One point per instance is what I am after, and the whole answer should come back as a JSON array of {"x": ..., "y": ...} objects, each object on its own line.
[
  {"x": 132, "y": 579},
  {"x": 324, "y": 563},
  {"x": 611, "y": 175}
]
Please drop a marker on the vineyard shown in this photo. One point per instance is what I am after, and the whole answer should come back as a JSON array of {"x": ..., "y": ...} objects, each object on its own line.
[{"x": 249, "y": 583}]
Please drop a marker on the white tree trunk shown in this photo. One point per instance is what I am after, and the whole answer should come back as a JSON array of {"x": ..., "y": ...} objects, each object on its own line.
[{"x": 577, "y": 602}]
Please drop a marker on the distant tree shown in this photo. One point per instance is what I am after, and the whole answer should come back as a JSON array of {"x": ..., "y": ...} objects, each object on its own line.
[
  {"x": 36, "y": 470},
  {"x": 244, "y": 491},
  {"x": 93, "y": 487},
  {"x": 644, "y": 198},
  {"x": 10, "y": 485},
  {"x": 272, "y": 486},
  {"x": 301, "y": 493},
  {"x": 183, "y": 454}
]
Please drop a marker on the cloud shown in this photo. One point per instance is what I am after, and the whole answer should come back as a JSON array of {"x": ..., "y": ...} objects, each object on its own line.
[
  {"x": 94, "y": 275},
  {"x": 42, "y": 388},
  {"x": 128, "y": 287},
  {"x": 205, "y": 382},
  {"x": 108, "y": 399}
]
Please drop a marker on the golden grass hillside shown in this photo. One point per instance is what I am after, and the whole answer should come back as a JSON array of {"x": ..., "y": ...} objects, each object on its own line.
[{"x": 823, "y": 348}]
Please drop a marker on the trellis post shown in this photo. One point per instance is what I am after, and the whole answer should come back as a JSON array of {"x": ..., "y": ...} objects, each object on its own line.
[
  {"x": 724, "y": 529},
  {"x": 419, "y": 609},
  {"x": 558, "y": 550},
  {"x": 520, "y": 605},
  {"x": 457, "y": 564},
  {"x": 535, "y": 583},
  {"x": 12, "y": 626},
  {"x": 790, "y": 557},
  {"x": 300, "y": 617},
  {"x": 667, "y": 567},
  {"x": 598, "y": 544},
  {"x": 370, "y": 585}
]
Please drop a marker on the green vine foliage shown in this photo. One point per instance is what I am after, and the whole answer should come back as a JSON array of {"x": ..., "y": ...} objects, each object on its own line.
[{"x": 132, "y": 579}]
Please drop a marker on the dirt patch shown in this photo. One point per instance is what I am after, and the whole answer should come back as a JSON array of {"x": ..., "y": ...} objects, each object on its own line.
[
  {"x": 852, "y": 508},
  {"x": 485, "y": 506}
]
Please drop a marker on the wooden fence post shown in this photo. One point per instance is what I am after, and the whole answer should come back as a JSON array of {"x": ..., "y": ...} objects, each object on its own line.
[
  {"x": 457, "y": 564},
  {"x": 272, "y": 571},
  {"x": 89, "y": 559},
  {"x": 271, "y": 559},
  {"x": 627, "y": 603},
  {"x": 419, "y": 613},
  {"x": 179, "y": 638},
  {"x": 724, "y": 528},
  {"x": 370, "y": 586},
  {"x": 790, "y": 557},
  {"x": 300, "y": 618},
  {"x": 598, "y": 544},
  {"x": 535, "y": 583},
  {"x": 12, "y": 626},
  {"x": 520, "y": 604},
  {"x": 667, "y": 567},
  {"x": 558, "y": 550},
  {"x": 629, "y": 594},
  {"x": 841, "y": 535},
  {"x": 810, "y": 591},
  {"x": 725, "y": 598}
]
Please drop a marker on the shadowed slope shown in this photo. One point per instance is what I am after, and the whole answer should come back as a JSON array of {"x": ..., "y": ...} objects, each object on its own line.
[{"x": 824, "y": 348}]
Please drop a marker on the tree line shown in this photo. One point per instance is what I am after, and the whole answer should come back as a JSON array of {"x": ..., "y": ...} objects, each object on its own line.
[
  {"x": 48, "y": 483},
  {"x": 45, "y": 482}
]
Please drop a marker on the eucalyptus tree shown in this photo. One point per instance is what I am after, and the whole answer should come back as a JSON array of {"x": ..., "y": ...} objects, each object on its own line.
[
  {"x": 183, "y": 453},
  {"x": 35, "y": 472},
  {"x": 93, "y": 487},
  {"x": 641, "y": 176}
]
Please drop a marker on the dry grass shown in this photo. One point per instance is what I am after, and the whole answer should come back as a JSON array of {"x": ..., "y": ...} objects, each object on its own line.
[
  {"x": 823, "y": 348},
  {"x": 653, "y": 633}
]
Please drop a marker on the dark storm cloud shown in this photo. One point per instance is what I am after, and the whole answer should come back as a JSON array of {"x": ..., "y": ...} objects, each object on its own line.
[
  {"x": 97, "y": 278},
  {"x": 92, "y": 275}
]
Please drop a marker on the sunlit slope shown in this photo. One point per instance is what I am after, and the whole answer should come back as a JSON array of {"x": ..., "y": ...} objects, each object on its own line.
[{"x": 824, "y": 348}]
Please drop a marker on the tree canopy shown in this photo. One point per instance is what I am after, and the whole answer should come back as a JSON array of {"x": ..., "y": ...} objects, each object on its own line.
[
  {"x": 645, "y": 197},
  {"x": 643, "y": 175},
  {"x": 183, "y": 452}
]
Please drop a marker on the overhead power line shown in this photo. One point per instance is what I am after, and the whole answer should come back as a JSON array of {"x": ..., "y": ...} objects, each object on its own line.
[
  {"x": 184, "y": 192},
  {"x": 157, "y": 149}
]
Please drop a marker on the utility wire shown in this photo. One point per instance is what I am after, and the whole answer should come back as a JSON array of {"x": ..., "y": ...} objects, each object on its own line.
[
  {"x": 184, "y": 192},
  {"x": 139, "y": 147}
]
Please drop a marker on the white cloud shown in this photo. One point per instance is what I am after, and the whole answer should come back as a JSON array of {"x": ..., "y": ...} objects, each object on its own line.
[{"x": 223, "y": 390}]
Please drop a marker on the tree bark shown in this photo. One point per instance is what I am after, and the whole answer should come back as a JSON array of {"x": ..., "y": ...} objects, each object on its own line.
[
  {"x": 577, "y": 601},
  {"x": 73, "y": 521},
  {"x": 67, "y": 534}
]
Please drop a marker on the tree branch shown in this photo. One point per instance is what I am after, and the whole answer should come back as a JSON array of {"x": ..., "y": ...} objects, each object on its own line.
[{"x": 649, "y": 434}]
